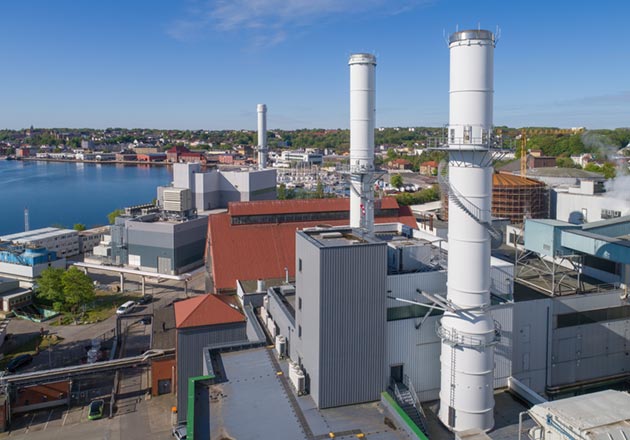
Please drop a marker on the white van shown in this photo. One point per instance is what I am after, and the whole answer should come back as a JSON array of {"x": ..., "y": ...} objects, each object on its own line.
[{"x": 126, "y": 307}]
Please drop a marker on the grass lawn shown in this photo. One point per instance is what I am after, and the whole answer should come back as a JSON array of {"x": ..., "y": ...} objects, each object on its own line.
[
  {"x": 103, "y": 307},
  {"x": 31, "y": 347}
]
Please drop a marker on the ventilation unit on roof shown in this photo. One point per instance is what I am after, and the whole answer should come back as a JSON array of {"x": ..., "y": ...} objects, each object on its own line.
[{"x": 328, "y": 235}]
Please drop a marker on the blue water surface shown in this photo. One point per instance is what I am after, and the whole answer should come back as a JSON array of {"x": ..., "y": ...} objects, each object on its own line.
[{"x": 65, "y": 193}]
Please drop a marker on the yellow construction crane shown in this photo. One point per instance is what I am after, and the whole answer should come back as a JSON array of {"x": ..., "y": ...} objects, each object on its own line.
[{"x": 534, "y": 131}]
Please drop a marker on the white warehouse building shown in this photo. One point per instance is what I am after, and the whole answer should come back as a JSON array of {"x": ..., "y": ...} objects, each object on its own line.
[{"x": 64, "y": 242}]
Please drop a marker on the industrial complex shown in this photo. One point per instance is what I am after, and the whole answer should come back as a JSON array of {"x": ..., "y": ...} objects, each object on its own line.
[{"x": 345, "y": 318}]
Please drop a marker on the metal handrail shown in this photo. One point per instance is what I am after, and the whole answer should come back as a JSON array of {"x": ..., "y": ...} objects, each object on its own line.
[{"x": 451, "y": 336}]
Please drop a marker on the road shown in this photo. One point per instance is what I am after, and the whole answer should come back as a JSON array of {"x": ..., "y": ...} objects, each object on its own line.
[
  {"x": 76, "y": 338},
  {"x": 137, "y": 416}
]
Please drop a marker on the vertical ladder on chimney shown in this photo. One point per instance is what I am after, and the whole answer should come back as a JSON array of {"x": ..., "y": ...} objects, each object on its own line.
[{"x": 451, "y": 404}]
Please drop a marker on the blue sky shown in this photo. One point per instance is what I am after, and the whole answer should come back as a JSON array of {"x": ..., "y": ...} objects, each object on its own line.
[{"x": 198, "y": 64}]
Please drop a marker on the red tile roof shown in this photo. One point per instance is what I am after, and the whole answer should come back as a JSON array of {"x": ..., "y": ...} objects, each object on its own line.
[
  {"x": 206, "y": 310},
  {"x": 299, "y": 206},
  {"x": 263, "y": 250}
]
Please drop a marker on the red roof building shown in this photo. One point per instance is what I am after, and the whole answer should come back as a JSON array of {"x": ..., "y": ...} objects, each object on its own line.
[
  {"x": 399, "y": 164},
  {"x": 205, "y": 310},
  {"x": 172, "y": 154},
  {"x": 257, "y": 239}
]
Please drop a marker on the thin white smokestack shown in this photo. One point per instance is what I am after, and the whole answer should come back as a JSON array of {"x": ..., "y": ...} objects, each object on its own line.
[
  {"x": 262, "y": 136},
  {"x": 467, "y": 329},
  {"x": 362, "y": 124}
]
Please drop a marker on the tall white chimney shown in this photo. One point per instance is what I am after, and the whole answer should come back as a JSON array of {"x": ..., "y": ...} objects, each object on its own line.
[
  {"x": 262, "y": 136},
  {"x": 362, "y": 123},
  {"x": 467, "y": 331}
]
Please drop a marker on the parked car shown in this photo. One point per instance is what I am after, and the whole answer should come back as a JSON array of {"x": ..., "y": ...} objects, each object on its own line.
[
  {"x": 179, "y": 432},
  {"x": 146, "y": 299},
  {"x": 95, "y": 409},
  {"x": 126, "y": 307},
  {"x": 19, "y": 361}
]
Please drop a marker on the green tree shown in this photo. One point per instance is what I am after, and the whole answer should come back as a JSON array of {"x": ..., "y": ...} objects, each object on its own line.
[
  {"x": 79, "y": 227},
  {"x": 50, "y": 287},
  {"x": 565, "y": 162},
  {"x": 112, "y": 215},
  {"x": 396, "y": 181},
  {"x": 609, "y": 170},
  {"x": 282, "y": 191},
  {"x": 78, "y": 289}
]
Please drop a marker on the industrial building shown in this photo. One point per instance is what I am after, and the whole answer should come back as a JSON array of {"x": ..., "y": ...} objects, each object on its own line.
[
  {"x": 25, "y": 263},
  {"x": 155, "y": 241},
  {"x": 382, "y": 311},
  {"x": 589, "y": 201},
  {"x": 170, "y": 237},
  {"x": 214, "y": 189},
  {"x": 265, "y": 232},
  {"x": 303, "y": 157},
  {"x": 64, "y": 242}
]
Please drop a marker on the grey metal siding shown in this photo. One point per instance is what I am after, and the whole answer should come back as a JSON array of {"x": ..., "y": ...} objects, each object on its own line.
[
  {"x": 530, "y": 342},
  {"x": 418, "y": 350},
  {"x": 307, "y": 275},
  {"x": 352, "y": 323},
  {"x": 190, "y": 344},
  {"x": 503, "y": 314},
  {"x": 589, "y": 351}
]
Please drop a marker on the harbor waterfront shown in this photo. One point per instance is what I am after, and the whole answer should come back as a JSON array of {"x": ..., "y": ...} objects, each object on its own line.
[{"x": 66, "y": 193}]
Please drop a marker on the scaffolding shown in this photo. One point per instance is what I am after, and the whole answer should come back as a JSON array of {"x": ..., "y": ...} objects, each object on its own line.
[{"x": 514, "y": 198}]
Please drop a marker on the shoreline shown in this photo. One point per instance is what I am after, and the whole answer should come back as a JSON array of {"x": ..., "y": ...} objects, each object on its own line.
[{"x": 102, "y": 162}]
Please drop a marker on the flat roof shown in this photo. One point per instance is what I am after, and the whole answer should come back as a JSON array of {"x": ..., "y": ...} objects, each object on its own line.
[
  {"x": 31, "y": 233},
  {"x": 256, "y": 392},
  {"x": 598, "y": 413},
  {"x": 608, "y": 222},
  {"x": 336, "y": 237},
  {"x": 45, "y": 235}
]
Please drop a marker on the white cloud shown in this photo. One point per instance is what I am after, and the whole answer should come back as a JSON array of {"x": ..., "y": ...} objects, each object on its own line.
[{"x": 269, "y": 22}]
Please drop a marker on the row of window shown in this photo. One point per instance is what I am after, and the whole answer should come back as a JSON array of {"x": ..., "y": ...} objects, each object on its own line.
[{"x": 592, "y": 316}]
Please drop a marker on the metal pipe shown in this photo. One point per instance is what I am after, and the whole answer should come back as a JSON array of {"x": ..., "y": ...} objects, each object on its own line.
[
  {"x": 466, "y": 393},
  {"x": 362, "y": 124},
  {"x": 262, "y": 136}
]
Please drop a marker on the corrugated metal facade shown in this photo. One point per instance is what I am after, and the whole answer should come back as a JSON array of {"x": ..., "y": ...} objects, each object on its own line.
[
  {"x": 418, "y": 351},
  {"x": 190, "y": 345},
  {"x": 589, "y": 351},
  {"x": 343, "y": 299},
  {"x": 414, "y": 346}
]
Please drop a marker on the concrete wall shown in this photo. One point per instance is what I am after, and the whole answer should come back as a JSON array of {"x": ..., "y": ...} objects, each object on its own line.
[
  {"x": 207, "y": 193},
  {"x": 190, "y": 345}
]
